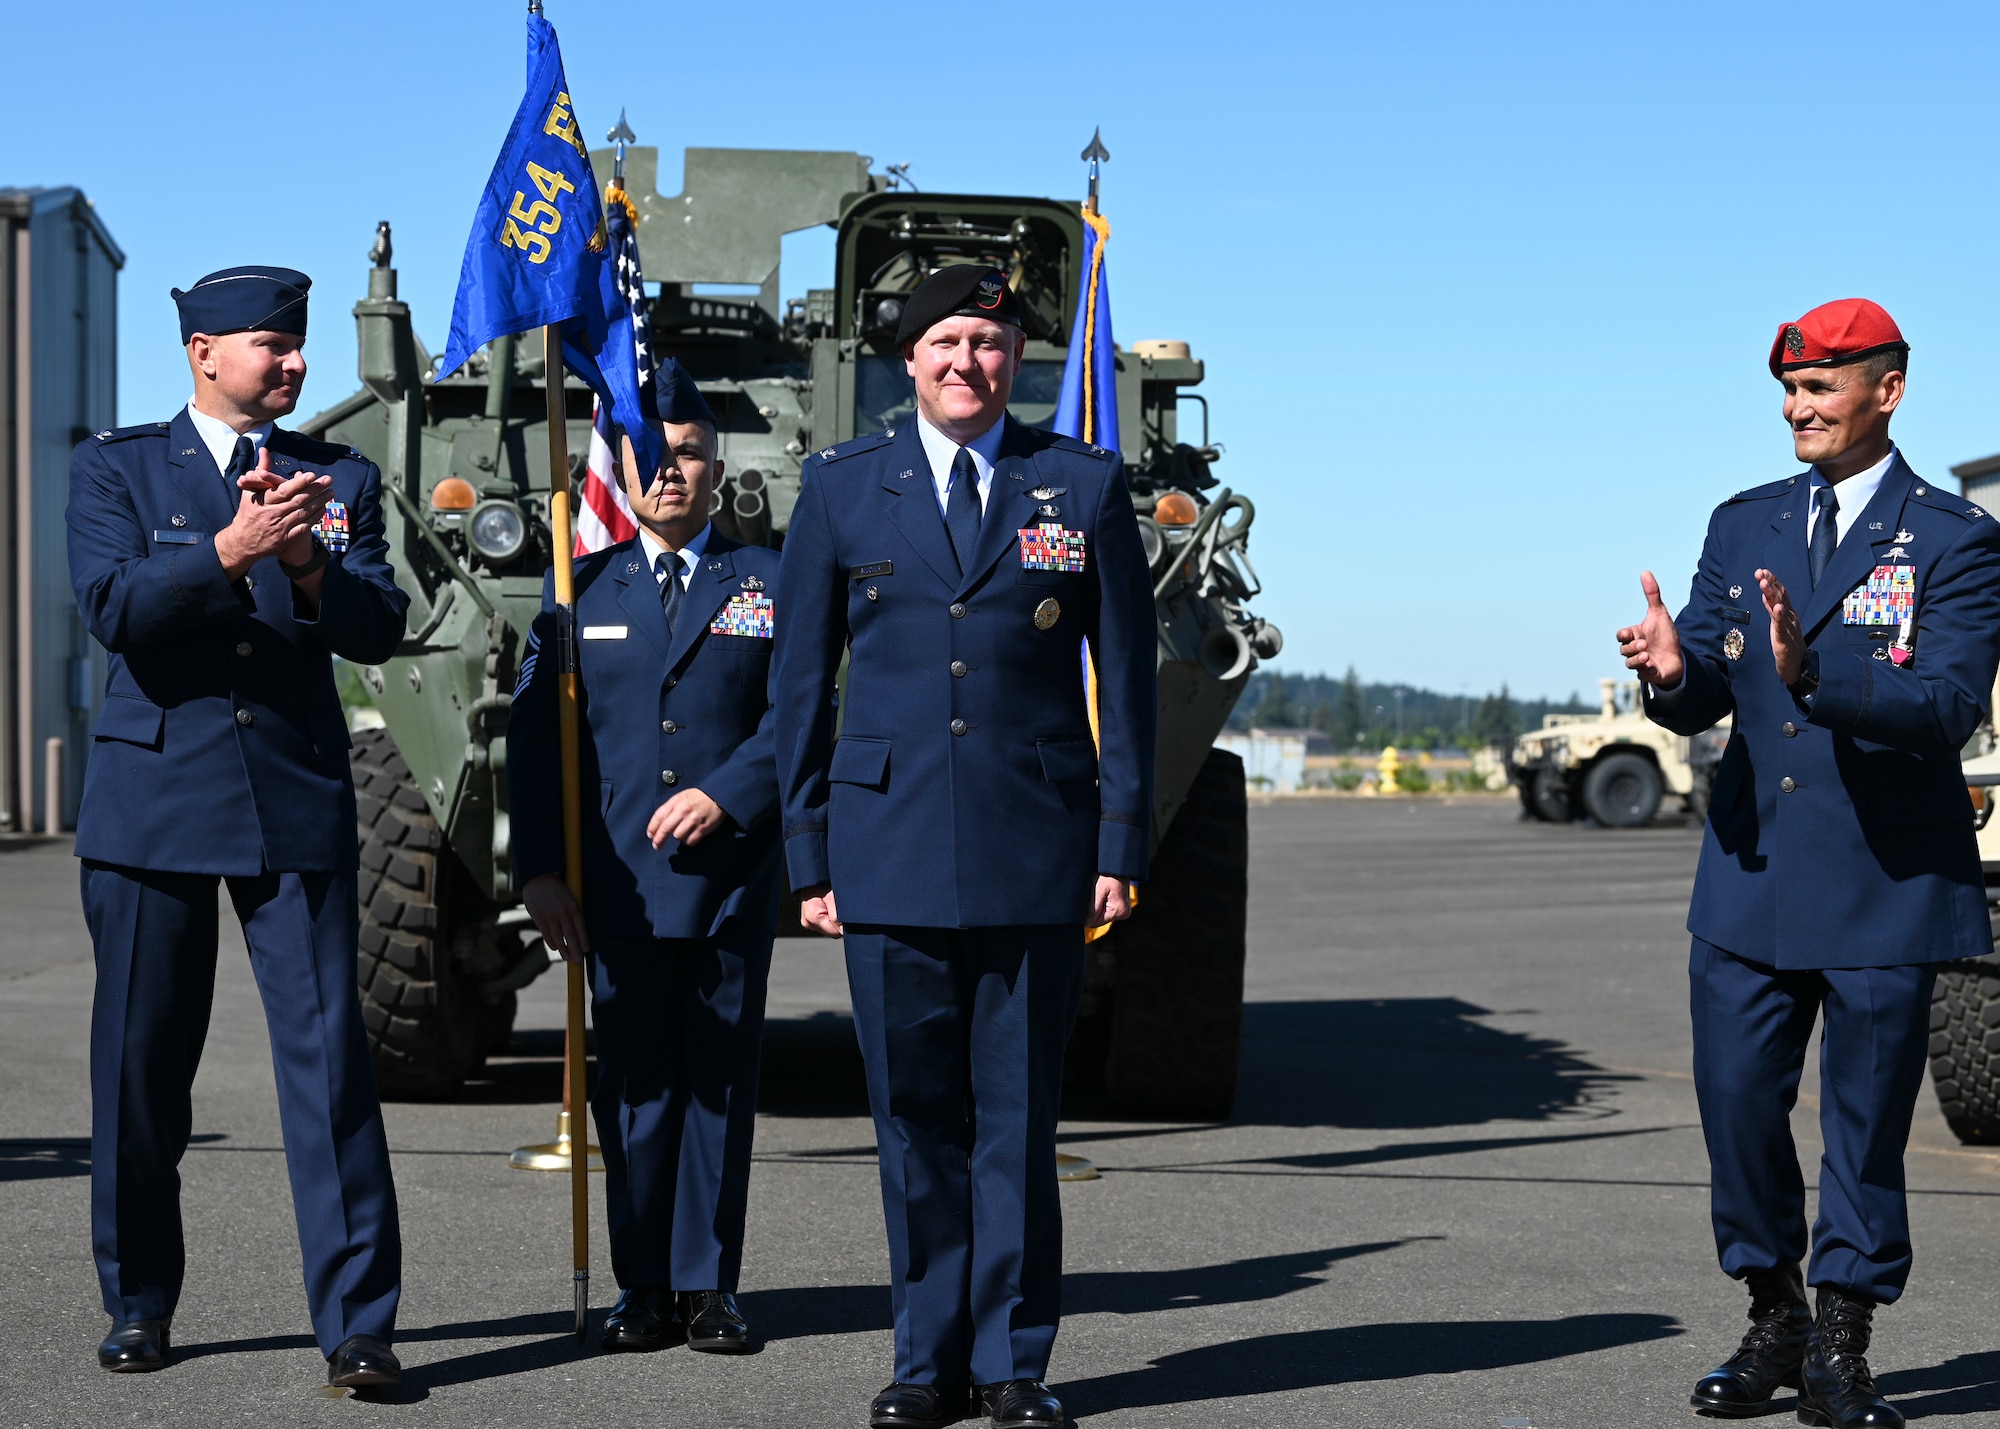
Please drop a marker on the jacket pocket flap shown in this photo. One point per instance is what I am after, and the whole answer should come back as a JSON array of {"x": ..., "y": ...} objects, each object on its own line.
[
  {"x": 134, "y": 721},
  {"x": 1065, "y": 759},
  {"x": 857, "y": 760}
]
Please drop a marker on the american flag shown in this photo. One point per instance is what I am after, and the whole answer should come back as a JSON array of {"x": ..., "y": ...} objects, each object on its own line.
[{"x": 605, "y": 516}]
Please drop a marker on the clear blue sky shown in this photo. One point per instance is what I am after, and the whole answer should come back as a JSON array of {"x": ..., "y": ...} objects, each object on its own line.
[{"x": 1484, "y": 291}]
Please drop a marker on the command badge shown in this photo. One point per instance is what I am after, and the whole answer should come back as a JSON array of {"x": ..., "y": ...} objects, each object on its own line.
[
  {"x": 1047, "y": 614},
  {"x": 332, "y": 531},
  {"x": 1732, "y": 645}
]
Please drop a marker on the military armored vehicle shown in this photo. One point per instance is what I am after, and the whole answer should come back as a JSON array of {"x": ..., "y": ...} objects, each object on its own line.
[
  {"x": 1965, "y": 1007},
  {"x": 1614, "y": 767},
  {"x": 445, "y": 946}
]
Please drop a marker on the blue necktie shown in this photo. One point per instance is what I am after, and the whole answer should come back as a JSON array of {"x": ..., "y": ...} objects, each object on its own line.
[
  {"x": 1826, "y": 532},
  {"x": 242, "y": 459},
  {"x": 667, "y": 566},
  {"x": 961, "y": 508}
]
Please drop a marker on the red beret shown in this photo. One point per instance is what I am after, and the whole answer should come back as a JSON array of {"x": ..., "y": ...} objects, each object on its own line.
[{"x": 1845, "y": 330}]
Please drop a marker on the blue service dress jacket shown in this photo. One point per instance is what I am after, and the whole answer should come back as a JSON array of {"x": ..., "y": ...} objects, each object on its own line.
[
  {"x": 1839, "y": 833},
  {"x": 222, "y": 745},
  {"x": 659, "y": 716},
  {"x": 964, "y": 790}
]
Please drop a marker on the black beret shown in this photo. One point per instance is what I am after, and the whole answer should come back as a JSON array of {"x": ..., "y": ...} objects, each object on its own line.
[
  {"x": 963, "y": 289},
  {"x": 249, "y": 299},
  {"x": 675, "y": 397}
]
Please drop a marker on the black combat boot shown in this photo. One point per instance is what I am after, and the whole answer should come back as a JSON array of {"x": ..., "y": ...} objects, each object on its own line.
[
  {"x": 1742, "y": 1385},
  {"x": 1839, "y": 1392}
]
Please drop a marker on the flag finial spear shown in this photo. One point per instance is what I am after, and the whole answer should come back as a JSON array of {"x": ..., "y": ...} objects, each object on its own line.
[
  {"x": 1095, "y": 153},
  {"x": 621, "y": 134}
]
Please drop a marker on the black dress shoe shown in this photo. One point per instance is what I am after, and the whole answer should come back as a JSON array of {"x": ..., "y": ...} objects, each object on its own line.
[
  {"x": 363, "y": 1362},
  {"x": 714, "y": 1324},
  {"x": 1839, "y": 1392},
  {"x": 917, "y": 1406},
  {"x": 1769, "y": 1357},
  {"x": 1022, "y": 1404},
  {"x": 643, "y": 1319},
  {"x": 136, "y": 1346}
]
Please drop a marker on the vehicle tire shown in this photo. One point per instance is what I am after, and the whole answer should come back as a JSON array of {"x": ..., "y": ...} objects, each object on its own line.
[
  {"x": 1547, "y": 796},
  {"x": 1622, "y": 791},
  {"x": 427, "y": 1027},
  {"x": 1965, "y": 1048},
  {"x": 1176, "y": 1005}
]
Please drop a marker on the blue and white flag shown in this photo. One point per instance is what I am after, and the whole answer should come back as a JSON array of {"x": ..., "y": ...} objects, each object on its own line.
[{"x": 536, "y": 253}]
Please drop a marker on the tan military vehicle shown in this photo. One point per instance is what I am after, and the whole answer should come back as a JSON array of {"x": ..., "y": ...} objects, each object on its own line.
[{"x": 1614, "y": 767}]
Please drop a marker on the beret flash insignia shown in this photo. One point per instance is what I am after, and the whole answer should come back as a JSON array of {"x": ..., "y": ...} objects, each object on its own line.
[
  {"x": 1795, "y": 341},
  {"x": 990, "y": 292}
]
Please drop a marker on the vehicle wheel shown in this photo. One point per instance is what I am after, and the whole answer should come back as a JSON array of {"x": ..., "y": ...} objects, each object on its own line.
[
  {"x": 1176, "y": 1014},
  {"x": 1547, "y": 797},
  {"x": 1965, "y": 1048},
  {"x": 427, "y": 1026},
  {"x": 1622, "y": 791}
]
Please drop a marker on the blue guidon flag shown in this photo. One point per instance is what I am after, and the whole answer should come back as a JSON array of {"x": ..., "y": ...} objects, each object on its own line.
[
  {"x": 1088, "y": 407},
  {"x": 536, "y": 254}
]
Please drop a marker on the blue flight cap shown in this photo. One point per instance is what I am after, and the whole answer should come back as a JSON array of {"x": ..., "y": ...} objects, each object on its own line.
[
  {"x": 252, "y": 299},
  {"x": 675, "y": 397}
]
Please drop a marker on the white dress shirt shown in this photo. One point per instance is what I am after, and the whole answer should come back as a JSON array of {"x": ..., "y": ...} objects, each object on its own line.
[
  {"x": 1854, "y": 494},
  {"x": 690, "y": 554},
  {"x": 941, "y": 449},
  {"x": 220, "y": 438}
]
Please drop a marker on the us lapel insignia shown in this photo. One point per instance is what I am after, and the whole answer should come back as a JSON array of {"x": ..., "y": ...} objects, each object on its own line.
[{"x": 1732, "y": 645}]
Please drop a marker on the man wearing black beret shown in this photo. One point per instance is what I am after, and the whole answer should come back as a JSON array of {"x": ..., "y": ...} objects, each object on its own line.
[
  {"x": 963, "y": 829},
  {"x": 223, "y": 562}
]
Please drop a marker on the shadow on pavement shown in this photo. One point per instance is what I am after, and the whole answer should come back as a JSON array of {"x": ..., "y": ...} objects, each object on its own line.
[
  {"x": 1404, "y": 1062},
  {"x": 1966, "y": 1384},
  {"x": 48, "y": 1157},
  {"x": 1311, "y": 1359},
  {"x": 805, "y": 1311}
]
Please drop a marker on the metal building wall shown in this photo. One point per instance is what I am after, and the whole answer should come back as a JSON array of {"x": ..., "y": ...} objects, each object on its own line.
[{"x": 59, "y": 376}]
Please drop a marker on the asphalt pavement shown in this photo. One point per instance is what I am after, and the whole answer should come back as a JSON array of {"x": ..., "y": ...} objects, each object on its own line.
[{"x": 1464, "y": 1184}]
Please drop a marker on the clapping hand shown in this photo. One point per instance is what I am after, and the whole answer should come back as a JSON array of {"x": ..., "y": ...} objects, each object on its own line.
[
  {"x": 1788, "y": 641},
  {"x": 273, "y": 517}
]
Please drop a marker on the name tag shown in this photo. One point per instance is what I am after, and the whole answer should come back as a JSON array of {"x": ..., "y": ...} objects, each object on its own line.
[
  {"x": 606, "y": 632},
  {"x": 873, "y": 568},
  {"x": 178, "y": 538}
]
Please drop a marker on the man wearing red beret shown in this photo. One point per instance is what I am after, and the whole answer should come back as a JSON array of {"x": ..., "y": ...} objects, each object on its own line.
[{"x": 1848, "y": 617}]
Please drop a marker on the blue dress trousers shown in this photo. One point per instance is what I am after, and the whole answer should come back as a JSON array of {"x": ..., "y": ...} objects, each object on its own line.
[
  {"x": 1839, "y": 865},
  {"x": 955, "y": 802},
  {"x": 221, "y": 756},
  {"x": 680, "y": 937}
]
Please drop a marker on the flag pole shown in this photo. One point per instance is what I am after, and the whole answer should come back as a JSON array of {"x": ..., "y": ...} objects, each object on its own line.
[{"x": 575, "y": 1098}]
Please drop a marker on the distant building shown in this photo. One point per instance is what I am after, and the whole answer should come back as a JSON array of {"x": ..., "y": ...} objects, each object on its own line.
[
  {"x": 58, "y": 385},
  {"x": 1274, "y": 760},
  {"x": 1980, "y": 481}
]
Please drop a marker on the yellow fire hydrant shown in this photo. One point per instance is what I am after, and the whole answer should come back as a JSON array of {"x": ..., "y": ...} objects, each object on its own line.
[{"x": 1387, "y": 767}]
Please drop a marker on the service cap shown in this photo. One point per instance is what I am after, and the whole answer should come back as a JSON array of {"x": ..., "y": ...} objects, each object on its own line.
[
  {"x": 1834, "y": 334},
  {"x": 252, "y": 299},
  {"x": 675, "y": 397},
  {"x": 962, "y": 290}
]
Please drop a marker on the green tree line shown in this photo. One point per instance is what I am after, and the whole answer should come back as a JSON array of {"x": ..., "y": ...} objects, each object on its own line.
[{"x": 1357, "y": 714}]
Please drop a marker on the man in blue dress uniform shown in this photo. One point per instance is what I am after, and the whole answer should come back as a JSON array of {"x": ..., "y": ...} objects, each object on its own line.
[
  {"x": 963, "y": 829},
  {"x": 680, "y": 858},
  {"x": 223, "y": 563},
  {"x": 1849, "y": 618}
]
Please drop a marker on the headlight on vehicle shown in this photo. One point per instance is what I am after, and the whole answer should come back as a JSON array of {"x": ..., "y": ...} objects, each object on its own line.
[
  {"x": 497, "y": 531},
  {"x": 1152, "y": 540}
]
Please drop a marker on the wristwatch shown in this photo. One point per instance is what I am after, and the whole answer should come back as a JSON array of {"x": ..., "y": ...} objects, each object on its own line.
[
  {"x": 1807, "y": 684},
  {"x": 313, "y": 563}
]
